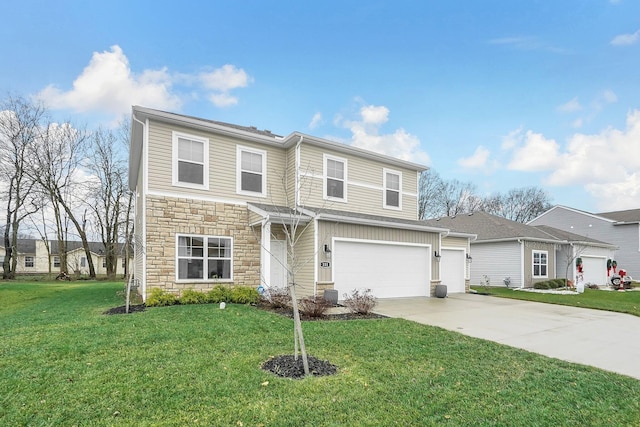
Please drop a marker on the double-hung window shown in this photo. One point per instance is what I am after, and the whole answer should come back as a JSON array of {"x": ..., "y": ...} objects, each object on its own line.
[
  {"x": 335, "y": 172},
  {"x": 83, "y": 261},
  {"x": 28, "y": 262},
  {"x": 540, "y": 263},
  {"x": 251, "y": 165},
  {"x": 56, "y": 261},
  {"x": 204, "y": 258},
  {"x": 392, "y": 189},
  {"x": 190, "y": 161}
]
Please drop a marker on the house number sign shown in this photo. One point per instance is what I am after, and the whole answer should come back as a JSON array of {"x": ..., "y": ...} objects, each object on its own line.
[{"x": 325, "y": 264}]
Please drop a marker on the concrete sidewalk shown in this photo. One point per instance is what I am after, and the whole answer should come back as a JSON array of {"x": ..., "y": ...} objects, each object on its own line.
[{"x": 597, "y": 338}]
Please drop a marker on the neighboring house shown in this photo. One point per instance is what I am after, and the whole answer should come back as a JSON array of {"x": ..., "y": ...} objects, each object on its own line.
[
  {"x": 33, "y": 257},
  {"x": 213, "y": 200},
  {"x": 521, "y": 254},
  {"x": 620, "y": 228}
]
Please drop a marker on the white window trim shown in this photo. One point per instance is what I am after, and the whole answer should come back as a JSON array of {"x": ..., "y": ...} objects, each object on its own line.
[
  {"x": 385, "y": 171},
  {"x": 174, "y": 155},
  {"x": 33, "y": 261},
  {"x": 205, "y": 260},
  {"x": 326, "y": 157},
  {"x": 533, "y": 264},
  {"x": 239, "y": 190}
]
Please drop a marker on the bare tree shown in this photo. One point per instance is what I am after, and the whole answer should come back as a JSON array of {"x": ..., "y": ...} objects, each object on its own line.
[
  {"x": 430, "y": 187},
  {"x": 518, "y": 204},
  {"x": 56, "y": 166},
  {"x": 108, "y": 192},
  {"x": 20, "y": 127}
]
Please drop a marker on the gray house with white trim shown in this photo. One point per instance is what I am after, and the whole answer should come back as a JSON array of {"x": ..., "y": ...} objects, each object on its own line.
[
  {"x": 525, "y": 254},
  {"x": 620, "y": 228}
]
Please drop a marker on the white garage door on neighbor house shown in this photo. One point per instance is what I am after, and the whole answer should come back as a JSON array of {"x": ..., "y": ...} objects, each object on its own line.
[
  {"x": 389, "y": 269},
  {"x": 594, "y": 270},
  {"x": 452, "y": 267}
]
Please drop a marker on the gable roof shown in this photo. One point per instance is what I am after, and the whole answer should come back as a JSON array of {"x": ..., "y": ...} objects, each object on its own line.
[
  {"x": 627, "y": 216},
  {"x": 492, "y": 228}
]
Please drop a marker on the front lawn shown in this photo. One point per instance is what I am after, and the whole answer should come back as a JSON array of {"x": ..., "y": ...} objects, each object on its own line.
[
  {"x": 622, "y": 302},
  {"x": 62, "y": 362}
]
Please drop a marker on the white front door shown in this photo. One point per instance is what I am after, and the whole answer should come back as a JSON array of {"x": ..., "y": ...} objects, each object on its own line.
[{"x": 278, "y": 277}]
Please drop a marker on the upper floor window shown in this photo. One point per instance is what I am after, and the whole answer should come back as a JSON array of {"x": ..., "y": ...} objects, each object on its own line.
[
  {"x": 83, "y": 262},
  {"x": 203, "y": 257},
  {"x": 251, "y": 171},
  {"x": 392, "y": 189},
  {"x": 104, "y": 263},
  {"x": 28, "y": 261},
  {"x": 190, "y": 161},
  {"x": 56, "y": 261},
  {"x": 335, "y": 172},
  {"x": 540, "y": 263}
]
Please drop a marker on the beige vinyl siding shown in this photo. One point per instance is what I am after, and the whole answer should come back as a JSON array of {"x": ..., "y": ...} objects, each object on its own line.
[
  {"x": 529, "y": 247},
  {"x": 364, "y": 184},
  {"x": 303, "y": 266},
  {"x": 455, "y": 242},
  {"x": 222, "y": 165},
  {"x": 328, "y": 230}
]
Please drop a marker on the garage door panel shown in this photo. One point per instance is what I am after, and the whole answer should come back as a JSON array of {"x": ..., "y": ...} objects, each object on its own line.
[
  {"x": 594, "y": 270},
  {"x": 452, "y": 269},
  {"x": 389, "y": 270}
]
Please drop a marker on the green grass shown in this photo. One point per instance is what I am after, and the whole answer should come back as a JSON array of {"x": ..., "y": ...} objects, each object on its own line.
[
  {"x": 64, "y": 363},
  {"x": 622, "y": 302}
]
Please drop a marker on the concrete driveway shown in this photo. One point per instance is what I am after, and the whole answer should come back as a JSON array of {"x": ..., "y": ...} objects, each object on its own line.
[{"x": 597, "y": 338}]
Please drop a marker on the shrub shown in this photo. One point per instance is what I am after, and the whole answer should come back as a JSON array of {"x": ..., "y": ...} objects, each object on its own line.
[
  {"x": 360, "y": 302},
  {"x": 314, "y": 307},
  {"x": 592, "y": 286},
  {"x": 244, "y": 295},
  {"x": 219, "y": 293},
  {"x": 541, "y": 285},
  {"x": 191, "y": 296},
  {"x": 160, "y": 298},
  {"x": 277, "y": 298}
]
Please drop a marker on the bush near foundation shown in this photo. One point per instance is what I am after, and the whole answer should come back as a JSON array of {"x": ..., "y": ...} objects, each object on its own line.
[
  {"x": 160, "y": 298},
  {"x": 360, "y": 301},
  {"x": 314, "y": 306}
]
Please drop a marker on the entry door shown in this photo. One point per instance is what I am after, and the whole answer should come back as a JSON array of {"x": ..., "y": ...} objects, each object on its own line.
[{"x": 278, "y": 264}]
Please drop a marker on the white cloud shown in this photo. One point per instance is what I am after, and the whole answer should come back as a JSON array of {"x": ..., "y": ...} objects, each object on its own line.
[
  {"x": 511, "y": 139},
  {"x": 570, "y": 106},
  {"x": 610, "y": 157},
  {"x": 577, "y": 123},
  {"x": 108, "y": 85},
  {"x": 478, "y": 160},
  {"x": 625, "y": 39},
  {"x": 316, "y": 120},
  {"x": 533, "y": 152},
  {"x": 399, "y": 144}
]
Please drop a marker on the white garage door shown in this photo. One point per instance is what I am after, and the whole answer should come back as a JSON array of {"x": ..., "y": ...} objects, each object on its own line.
[
  {"x": 452, "y": 266},
  {"x": 389, "y": 270},
  {"x": 594, "y": 270}
]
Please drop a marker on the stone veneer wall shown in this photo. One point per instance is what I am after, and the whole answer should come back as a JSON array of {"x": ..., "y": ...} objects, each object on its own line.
[{"x": 167, "y": 216}]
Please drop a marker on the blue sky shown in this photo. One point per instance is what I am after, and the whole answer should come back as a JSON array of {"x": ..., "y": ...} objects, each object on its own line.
[{"x": 500, "y": 93}]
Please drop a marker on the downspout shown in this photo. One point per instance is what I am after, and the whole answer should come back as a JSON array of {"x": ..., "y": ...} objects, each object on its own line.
[
  {"x": 297, "y": 172},
  {"x": 142, "y": 209},
  {"x": 521, "y": 262}
]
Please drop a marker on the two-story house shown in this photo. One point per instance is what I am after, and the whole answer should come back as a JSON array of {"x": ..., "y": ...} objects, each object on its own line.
[{"x": 220, "y": 203}]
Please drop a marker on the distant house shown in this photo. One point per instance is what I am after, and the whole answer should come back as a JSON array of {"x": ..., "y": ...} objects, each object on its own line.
[
  {"x": 213, "y": 201},
  {"x": 509, "y": 252},
  {"x": 620, "y": 228},
  {"x": 33, "y": 257}
]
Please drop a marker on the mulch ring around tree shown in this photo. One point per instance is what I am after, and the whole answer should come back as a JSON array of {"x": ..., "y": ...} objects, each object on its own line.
[
  {"x": 287, "y": 366},
  {"x": 123, "y": 309}
]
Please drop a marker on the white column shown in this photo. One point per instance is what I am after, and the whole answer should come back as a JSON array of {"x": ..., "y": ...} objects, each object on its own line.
[{"x": 265, "y": 253}]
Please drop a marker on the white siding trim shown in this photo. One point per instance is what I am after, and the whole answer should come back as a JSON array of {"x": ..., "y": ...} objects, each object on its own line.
[{"x": 198, "y": 197}]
